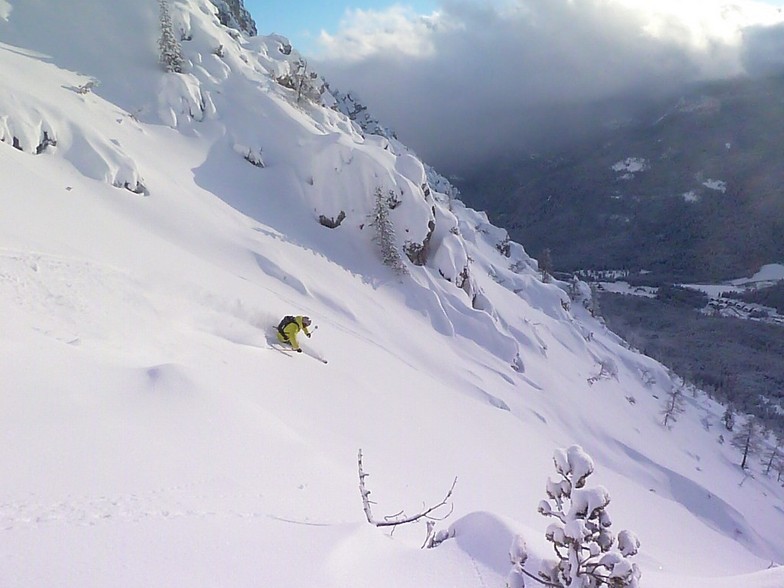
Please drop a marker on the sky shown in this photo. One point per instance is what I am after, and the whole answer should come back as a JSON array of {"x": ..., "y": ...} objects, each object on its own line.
[
  {"x": 465, "y": 82},
  {"x": 303, "y": 21}
]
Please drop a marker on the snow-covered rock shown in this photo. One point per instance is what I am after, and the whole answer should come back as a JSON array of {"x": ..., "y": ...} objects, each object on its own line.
[{"x": 631, "y": 166}]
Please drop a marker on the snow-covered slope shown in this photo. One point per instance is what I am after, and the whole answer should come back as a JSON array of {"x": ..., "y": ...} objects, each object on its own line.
[{"x": 154, "y": 226}]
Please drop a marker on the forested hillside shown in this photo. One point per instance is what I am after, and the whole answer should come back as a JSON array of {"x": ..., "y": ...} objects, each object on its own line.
[{"x": 688, "y": 188}]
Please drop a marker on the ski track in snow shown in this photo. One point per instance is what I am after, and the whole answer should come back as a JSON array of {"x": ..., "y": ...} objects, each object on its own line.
[
  {"x": 101, "y": 510},
  {"x": 67, "y": 298},
  {"x": 188, "y": 501}
]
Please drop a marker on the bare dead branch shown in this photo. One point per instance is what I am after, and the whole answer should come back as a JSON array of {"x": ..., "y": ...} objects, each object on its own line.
[
  {"x": 451, "y": 509},
  {"x": 430, "y": 538},
  {"x": 400, "y": 518},
  {"x": 435, "y": 538},
  {"x": 394, "y": 516},
  {"x": 364, "y": 492}
]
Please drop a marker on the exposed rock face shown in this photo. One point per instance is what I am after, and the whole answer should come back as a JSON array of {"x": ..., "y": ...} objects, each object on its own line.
[
  {"x": 332, "y": 222},
  {"x": 233, "y": 13}
]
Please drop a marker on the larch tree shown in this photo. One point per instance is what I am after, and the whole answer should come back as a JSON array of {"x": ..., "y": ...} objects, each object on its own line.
[
  {"x": 747, "y": 440},
  {"x": 673, "y": 406},
  {"x": 773, "y": 455}
]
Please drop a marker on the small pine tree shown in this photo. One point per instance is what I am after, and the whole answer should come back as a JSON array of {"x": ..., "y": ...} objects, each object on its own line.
[
  {"x": 673, "y": 406},
  {"x": 546, "y": 265},
  {"x": 592, "y": 304},
  {"x": 574, "y": 289},
  {"x": 589, "y": 555},
  {"x": 729, "y": 419},
  {"x": 385, "y": 236},
  {"x": 168, "y": 45},
  {"x": 747, "y": 440}
]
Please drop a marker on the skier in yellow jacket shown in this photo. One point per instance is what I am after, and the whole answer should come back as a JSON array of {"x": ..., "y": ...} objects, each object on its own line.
[{"x": 289, "y": 327}]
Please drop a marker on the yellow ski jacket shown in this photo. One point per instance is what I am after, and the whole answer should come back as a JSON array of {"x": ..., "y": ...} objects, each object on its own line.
[{"x": 290, "y": 332}]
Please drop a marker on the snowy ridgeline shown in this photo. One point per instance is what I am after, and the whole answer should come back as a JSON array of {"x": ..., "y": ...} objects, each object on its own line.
[
  {"x": 227, "y": 85},
  {"x": 149, "y": 418}
]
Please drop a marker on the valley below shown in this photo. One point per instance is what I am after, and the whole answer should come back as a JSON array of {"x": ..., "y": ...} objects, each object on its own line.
[{"x": 712, "y": 335}]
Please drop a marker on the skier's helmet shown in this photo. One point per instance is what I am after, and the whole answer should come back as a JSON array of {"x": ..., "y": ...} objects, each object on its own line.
[{"x": 306, "y": 321}]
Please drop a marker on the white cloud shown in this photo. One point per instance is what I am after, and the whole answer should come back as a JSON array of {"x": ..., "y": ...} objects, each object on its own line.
[
  {"x": 366, "y": 33},
  {"x": 474, "y": 80}
]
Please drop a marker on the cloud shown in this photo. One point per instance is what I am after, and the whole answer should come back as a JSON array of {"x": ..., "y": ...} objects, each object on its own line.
[
  {"x": 763, "y": 49},
  {"x": 477, "y": 81},
  {"x": 365, "y": 34}
]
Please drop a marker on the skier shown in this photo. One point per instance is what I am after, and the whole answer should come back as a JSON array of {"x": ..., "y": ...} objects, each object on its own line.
[{"x": 289, "y": 327}]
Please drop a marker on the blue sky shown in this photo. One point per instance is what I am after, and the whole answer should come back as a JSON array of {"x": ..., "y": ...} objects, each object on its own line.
[{"x": 301, "y": 21}]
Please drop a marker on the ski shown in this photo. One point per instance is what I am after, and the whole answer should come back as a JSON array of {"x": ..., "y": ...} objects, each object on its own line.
[
  {"x": 280, "y": 350},
  {"x": 316, "y": 357},
  {"x": 273, "y": 341},
  {"x": 290, "y": 352}
]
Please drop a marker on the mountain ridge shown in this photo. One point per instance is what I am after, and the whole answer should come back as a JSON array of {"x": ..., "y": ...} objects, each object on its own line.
[{"x": 678, "y": 190}]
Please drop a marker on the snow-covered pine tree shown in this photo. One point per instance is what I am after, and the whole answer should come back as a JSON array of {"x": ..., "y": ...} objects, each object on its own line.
[
  {"x": 729, "y": 418},
  {"x": 573, "y": 289},
  {"x": 592, "y": 303},
  {"x": 546, "y": 265},
  {"x": 385, "y": 236},
  {"x": 747, "y": 440},
  {"x": 589, "y": 556},
  {"x": 169, "y": 45},
  {"x": 673, "y": 405}
]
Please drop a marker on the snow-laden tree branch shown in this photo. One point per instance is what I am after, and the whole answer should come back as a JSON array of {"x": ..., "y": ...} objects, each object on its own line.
[
  {"x": 401, "y": 518},
  {"x": 304, "y": 82},
  {"x": 588, "y": 555},
  {"x": 608, "y": 369}
]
